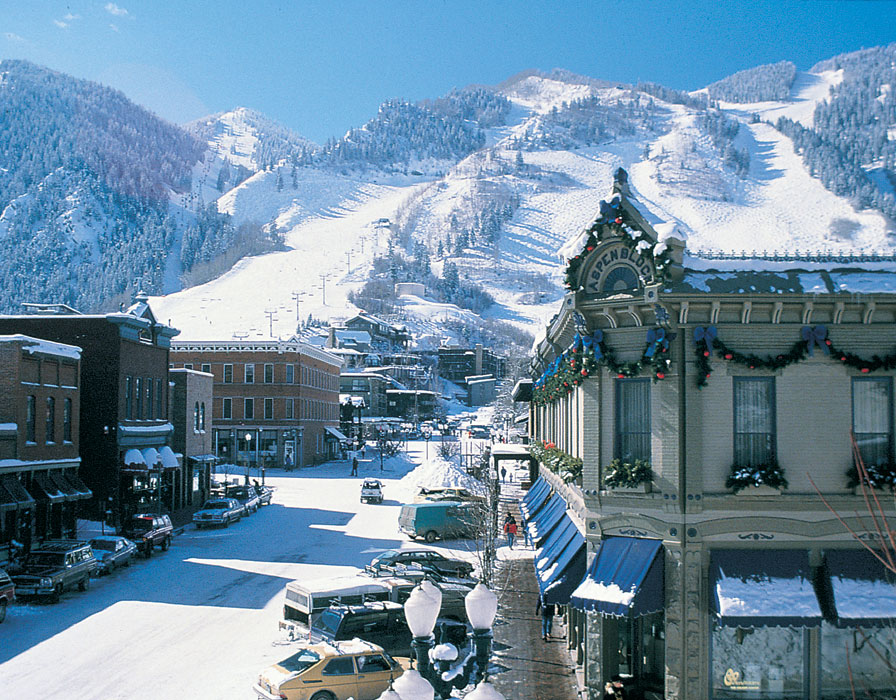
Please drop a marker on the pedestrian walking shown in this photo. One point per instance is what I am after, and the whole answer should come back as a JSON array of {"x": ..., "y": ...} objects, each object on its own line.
[
  {"x": 355, "y": 465},
  {"x": 510, "y": 530},
  {"x": 526, "y": 538},
  {"x": 547, "y": 618},
  {"x": 503, "y": 473}
]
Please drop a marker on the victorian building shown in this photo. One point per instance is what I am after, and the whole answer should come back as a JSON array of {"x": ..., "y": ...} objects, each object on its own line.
[{"x": 705, "y": 421}]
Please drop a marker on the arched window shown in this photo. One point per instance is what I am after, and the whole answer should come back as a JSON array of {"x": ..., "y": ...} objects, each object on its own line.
[
  {"x": 51, "y": 419},
  {"x": 202, "y": 416},
  {"x": 196, "y": 417}
]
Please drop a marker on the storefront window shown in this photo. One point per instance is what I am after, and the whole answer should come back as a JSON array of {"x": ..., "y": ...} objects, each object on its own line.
[
  {"x": 865, "y": 648},
  {"x": 760, "y": 662}
]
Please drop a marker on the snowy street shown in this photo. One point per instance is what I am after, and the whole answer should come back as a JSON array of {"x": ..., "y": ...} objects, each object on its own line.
[{"x": 200, "y": 620}]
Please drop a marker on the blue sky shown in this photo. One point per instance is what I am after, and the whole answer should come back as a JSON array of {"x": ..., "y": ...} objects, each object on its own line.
[{"x": 322, "y": 66}]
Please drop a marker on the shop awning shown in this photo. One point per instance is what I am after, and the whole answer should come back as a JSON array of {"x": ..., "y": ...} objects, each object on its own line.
[
  {"x": 169, "y": 459},
  {"x": 535, "y": 497},
  {"x": 61, "y": 483},
  {"x": 626, "y": 577},
  {"x": 864, "y": 591},
  {"x": 558, "y": 583},
  {"x": 763, "y": 588},
  {"x": 13, "y": 495},
  {"x": 133, "y": 461},
  {"x": 151, "y": 457},
  {"x": 546, "y": 518},
  {"x": 554, "y": 543},
  {"x": 80, "y": 486},
  {"x": 45, "y": 490},
  {"x": 333, "y": 433},
  {"x": 203, "y": 458}
]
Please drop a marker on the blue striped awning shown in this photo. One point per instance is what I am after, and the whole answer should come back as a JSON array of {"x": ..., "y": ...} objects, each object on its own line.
[
  {"x": 863, "y": 590},
  {"x": 535, "y": 497},
  {"x": 564, "y": 573},
  {"x": 546, "y": 519},
  {"x": 625, "y": 577},
  {"x": 554, "y": 543},
  {"x": 763, "y": 588}
]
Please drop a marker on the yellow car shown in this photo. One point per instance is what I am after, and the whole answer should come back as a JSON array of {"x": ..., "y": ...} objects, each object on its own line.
[{"x": 330, "y": 671}]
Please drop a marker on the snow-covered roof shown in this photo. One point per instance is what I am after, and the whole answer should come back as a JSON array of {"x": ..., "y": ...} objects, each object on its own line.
[{"x": 33, "y": 345}]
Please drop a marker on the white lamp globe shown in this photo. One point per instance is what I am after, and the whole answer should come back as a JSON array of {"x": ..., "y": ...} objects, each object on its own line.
[
  {"x": 481, "y": 605},
  {"x": 421, "y": 610},
  {"x": 484, "y": 691},
  {"x": 410, "y": 685},
  {"x": 389, "y": 694},
  {"x": 433, "y": 592}
]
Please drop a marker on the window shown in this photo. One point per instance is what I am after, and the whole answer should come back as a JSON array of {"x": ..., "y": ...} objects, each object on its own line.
[
  {"x": 269, "y": 374},
  {"x": 159, "y": 412},
  {"x": 340, "y": 666},
  {"x": 67, "y": 420},
  {"x": 196, "y": 417},
  {"x": 633, "y": 419},
  {"x": 248, "y": 408},
  {"x": 206, "y": 367},
  {"x": 290, "y": 374},
  {"x": 202, "y": 416},
  {"x": 188, "y": 365},
  {"x": 269, "y": 409},
  {"x": 872, "y": 422},
  {"x": 249, "y": 375},
  {"x": 30, "y": 418},
  {"x": 228, "y": 374},
  {"x": 149, "y": 413},
  {"x": 289, "y": 409},
  {"x": 51, "y": 419},
  {"x": 227, "y": 409},
  {"x": 138, "y": 390},
  {"x": 754, "y": 421},
  {"x": 128, "y": 398}
]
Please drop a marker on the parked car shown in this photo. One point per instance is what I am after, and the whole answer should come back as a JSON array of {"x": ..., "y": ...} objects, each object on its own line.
[
  {"x": 382, "y": 623},
  {"x": 432, "y": 520},
  {"x": 424, "y": 558},
  {"x": 447, "y": 493},
  {"x": 55, "y": 567},
  {"x": 7, "y": 593},
  {"x": 112, "y": 551},
  {"x": 371, "y": 491},
  {"x": 246, "y": 497},
  {"x": 264, "y": 493},
  {"x": 323, "y": 671},
  {"x": 147, "y": 530},
  {"x": 218, "y": 511}
]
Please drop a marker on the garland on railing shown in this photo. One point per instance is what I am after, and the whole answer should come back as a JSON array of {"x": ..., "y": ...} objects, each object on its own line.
[
  {"x": 588, "y": 353},
  {"x": 770, "y": 474},
  {"x": 627, "y": 474},
  {"x": 569, "y": 468},
  {"x": 612, "y": 222},
  {"x": 706, "y": 340}
]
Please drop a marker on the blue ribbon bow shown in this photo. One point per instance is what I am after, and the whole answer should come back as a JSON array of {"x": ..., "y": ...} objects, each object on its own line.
[
  {"x": 593, "y": 341},
  {"x": 815, "y": 336},
  {"x": 656, "y": 337},
  {"x": 707, "y": 335}
]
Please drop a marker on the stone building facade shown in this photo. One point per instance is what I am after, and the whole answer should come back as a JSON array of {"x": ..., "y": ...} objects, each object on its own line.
[{"x": 726, "y": 571}]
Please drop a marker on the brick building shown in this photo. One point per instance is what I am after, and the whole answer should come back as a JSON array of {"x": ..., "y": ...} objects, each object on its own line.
[
  {"x": 190, "y": 413},
  {"x": 40, "y": 491},
  {"x": 124, "y": 433},
  {"x": 273, "y": 401},
  {"x": 692, "y": 422}
]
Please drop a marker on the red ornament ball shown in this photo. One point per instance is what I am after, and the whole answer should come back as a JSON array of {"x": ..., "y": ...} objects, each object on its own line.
[
  {"x": 618, "y": 219},
  {"x": 827, "y": 342},
  {"x": 865, "y": 370},
  {"x": 706, "y": 353},
  {"x": 590, "y": 248},
  {"x": 728, "y": 356},
  {"x": 708, "y": 375},
  {"x": 620, "y": 375},
  {"x": 660, "y": 375},
  {"x": 752, "y": 367},
  {"x": 843, "y": 359},
  {"x": 584, "y": 372}
]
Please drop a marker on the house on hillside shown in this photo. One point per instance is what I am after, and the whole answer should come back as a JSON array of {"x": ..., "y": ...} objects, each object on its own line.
[
  {"x": 694, "y": 414},
  {"x": 382, "y": 333}
]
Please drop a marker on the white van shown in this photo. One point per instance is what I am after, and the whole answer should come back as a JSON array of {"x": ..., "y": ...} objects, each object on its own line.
[{"x": 305, "y": 598}]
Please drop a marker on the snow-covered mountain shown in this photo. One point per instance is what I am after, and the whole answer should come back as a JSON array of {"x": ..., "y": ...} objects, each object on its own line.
[{"x": 477, "y": 193}]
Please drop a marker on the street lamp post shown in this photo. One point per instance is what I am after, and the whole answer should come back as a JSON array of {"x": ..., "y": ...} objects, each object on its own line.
[
  {"x": 427, "y": 436},
  {"x": 438, "y": 670},
  {"x": 248, "y": 455}
]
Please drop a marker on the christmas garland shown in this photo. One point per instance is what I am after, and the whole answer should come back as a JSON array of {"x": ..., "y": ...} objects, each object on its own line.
[
  {"x": 556, "y": 460},
  {"x": 770, "y": 474},
  {"x": 611, "y": 222},
  {"x": 627, "y": 474},
  {"x": 588, "y": 354},
  {"x": 706, "y": 340}
]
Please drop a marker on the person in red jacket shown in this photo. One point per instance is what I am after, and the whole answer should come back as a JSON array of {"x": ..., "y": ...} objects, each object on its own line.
[{"x": 510, "y": 530}]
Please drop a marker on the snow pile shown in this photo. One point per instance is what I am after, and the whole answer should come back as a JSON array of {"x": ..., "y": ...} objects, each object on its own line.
[{"x": 440, "y": 473}]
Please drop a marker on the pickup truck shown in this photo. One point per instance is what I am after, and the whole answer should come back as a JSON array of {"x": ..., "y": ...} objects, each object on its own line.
[
  {"x": 371, "y": 491},
  {"x": 55, "y": 567}
]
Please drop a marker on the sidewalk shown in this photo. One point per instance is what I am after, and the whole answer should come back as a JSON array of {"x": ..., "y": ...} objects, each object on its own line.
[{"x": 532, "y": 669}]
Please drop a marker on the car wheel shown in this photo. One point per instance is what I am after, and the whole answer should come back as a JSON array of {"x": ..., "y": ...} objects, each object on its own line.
[
  {"x": 431, "y": 536},
  {"x": 127, "y": 561},
  {"x": 166, "y": 543},
  {"x": 323, "y": 695},
  {"x": 56, "y": 595},
  {"x": 148, "y": 552},
  {"x": 2, "y": 609},
  {"x": 110, "y": 568},
  {"x": 84, "y": 584}
]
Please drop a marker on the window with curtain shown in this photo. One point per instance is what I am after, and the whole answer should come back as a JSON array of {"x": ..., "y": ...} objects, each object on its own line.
[
  {"x": 228, "y": 374},
  {"x": 754, "y": 421},
  {"x": 633, "y": 419},
  {"x": 290, "y": 409},
  {"x": 249, "y": 374},
  {"x": 290, "y": 374},
  {"x": 872, "y": 419}
]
